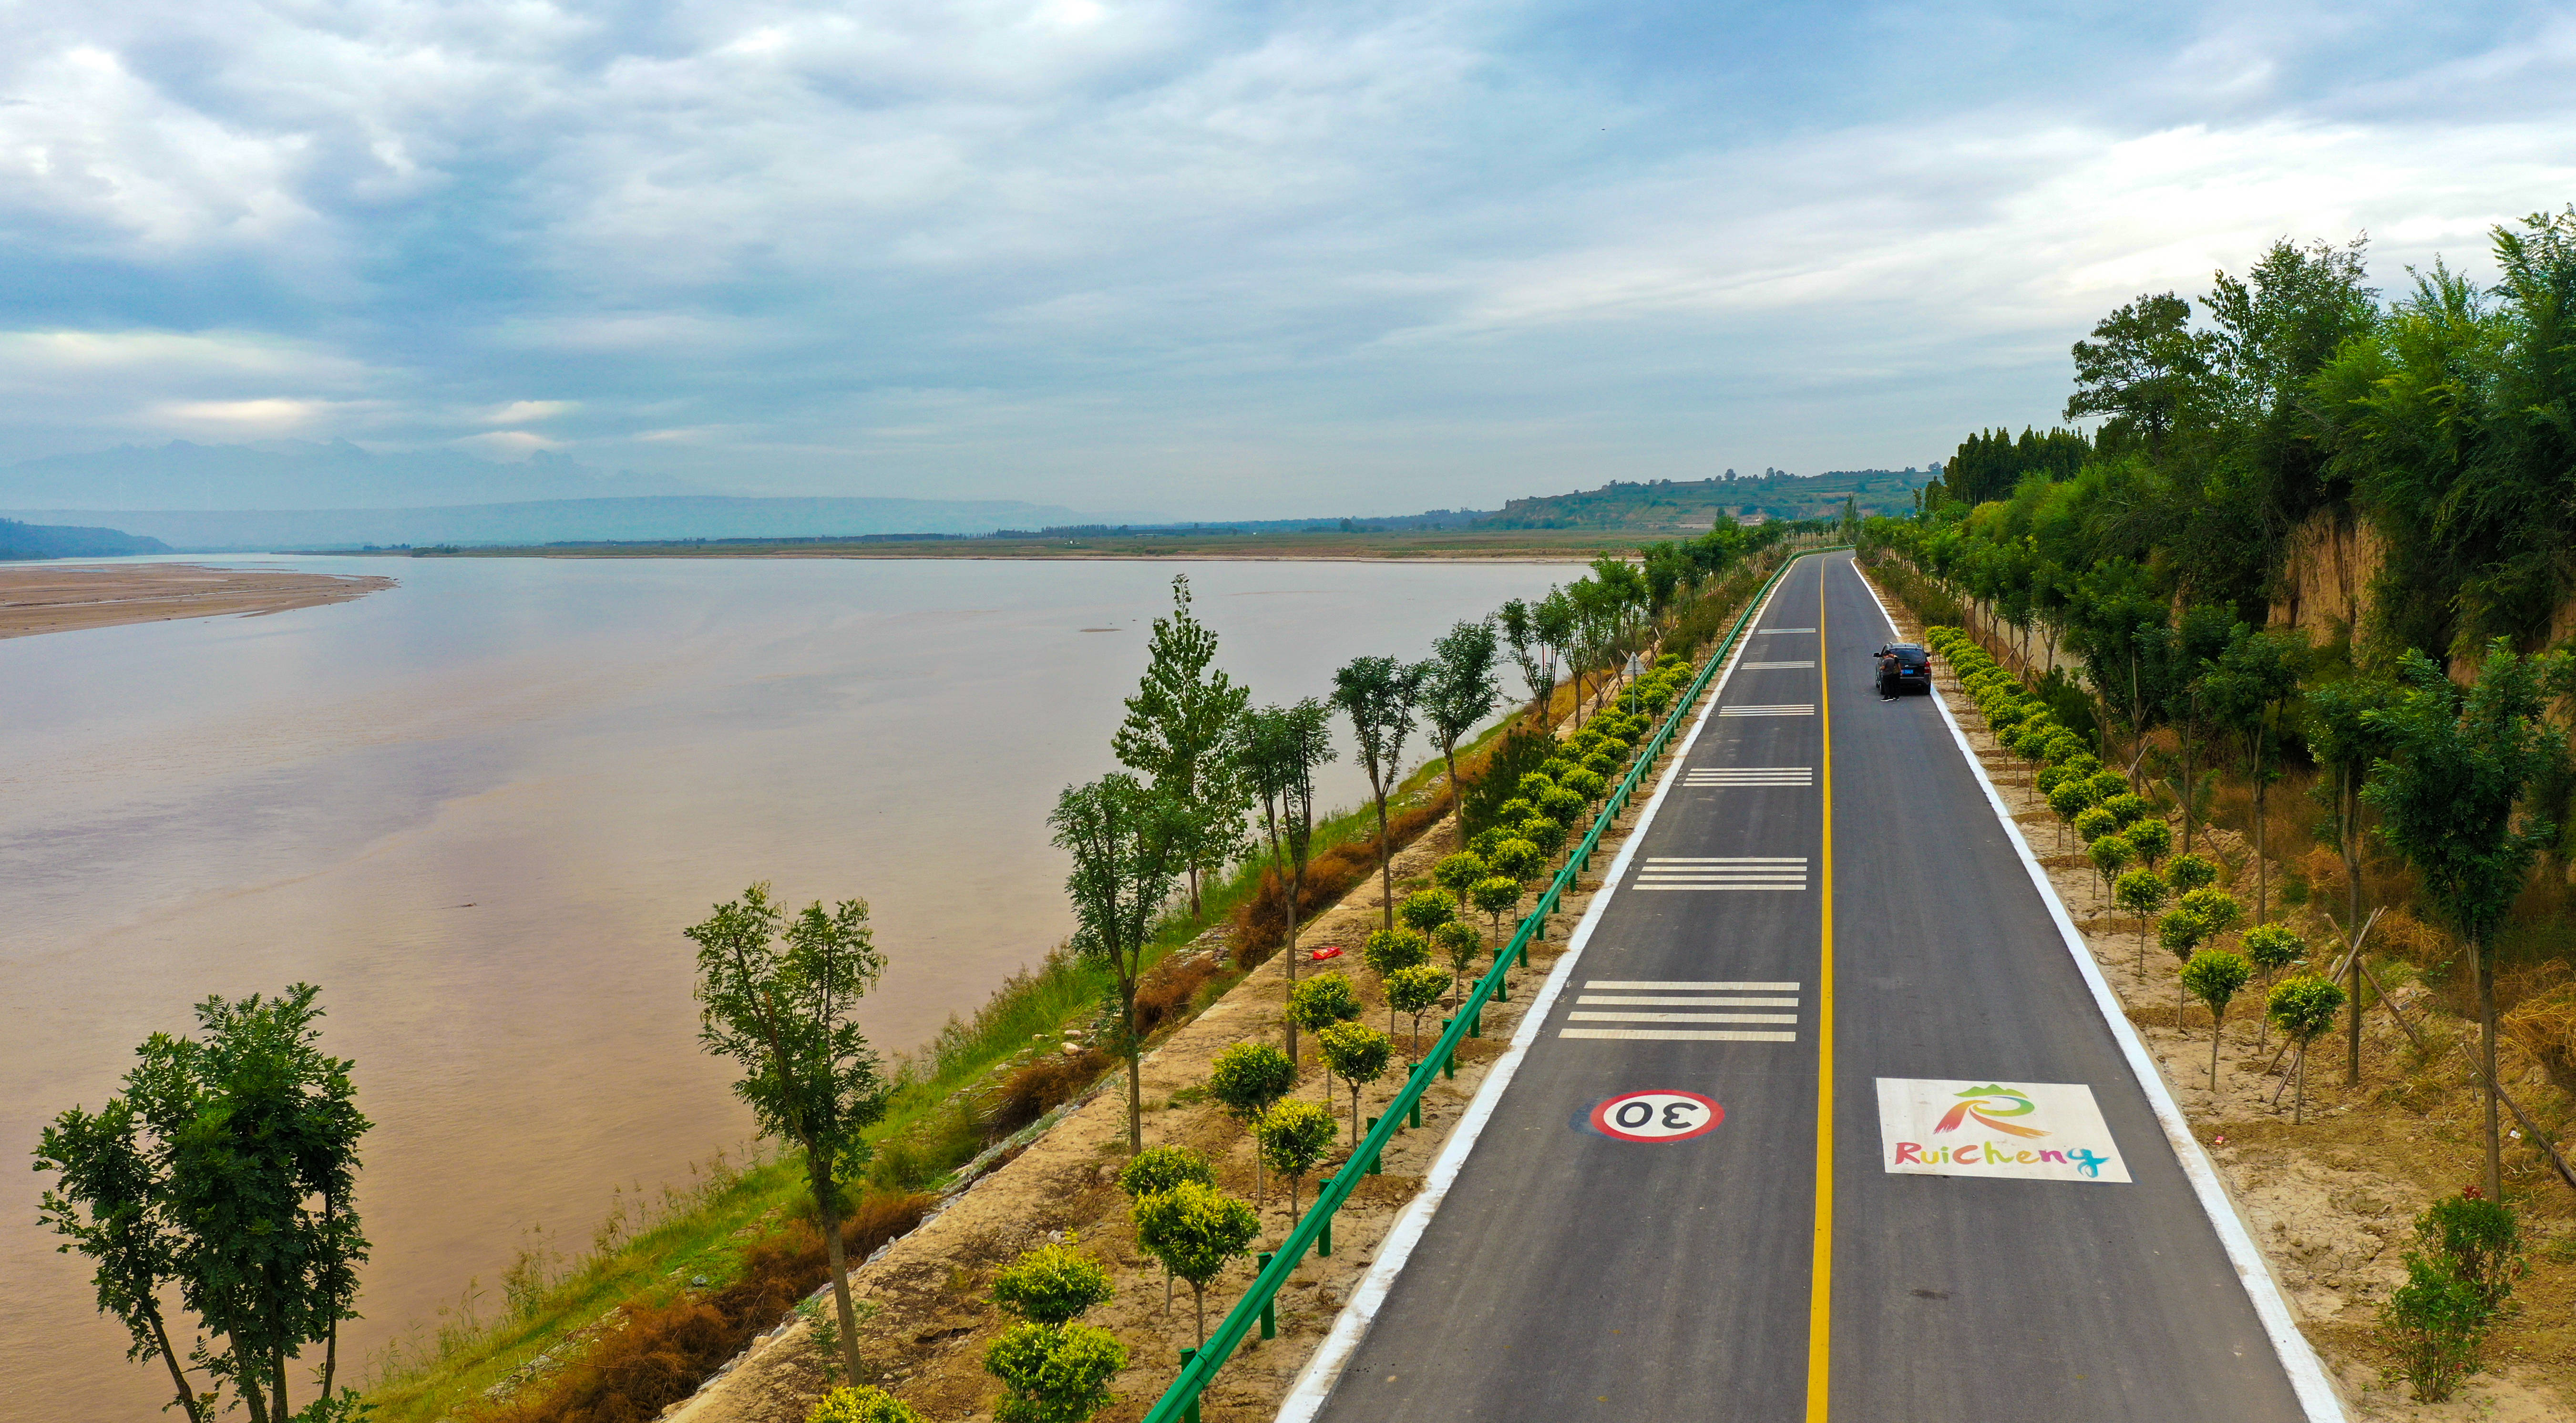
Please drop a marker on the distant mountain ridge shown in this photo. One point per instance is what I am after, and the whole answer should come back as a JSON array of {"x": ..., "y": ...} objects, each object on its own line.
[
  {"x": 299, "y": 474},
  {"x": 705, "y": 516},
  {"x": 19, "y": 540},
  {"x": 1684, "y": 505}
]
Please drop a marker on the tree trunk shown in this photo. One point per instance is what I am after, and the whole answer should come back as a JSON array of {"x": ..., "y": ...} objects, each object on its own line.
[
  {"x": 1385, "y": 853},
  {"x": 1199, "y": 1297},
  {"x": 827, "y": 1205},
  {"x": 178, "y": 1375},
  {"x": 1355, "y": 1116},
  {"x": 1296, "y": 882},
  {"x": 1135, "y": 1085},
  {"x": 2352, "y": 922},
  {"x": 2142, "y": 949},
  {"x": 2487, "y": 1059},
  {"x": 1194, "y": 889},
  {"x": 2186, "y": 788},
  {"x": 251, "y": 1392},
  {"x": 2217, "y": 1021},
  {"x": 2299, "y": 1097},
  {"x": 2262, "y": 866}
]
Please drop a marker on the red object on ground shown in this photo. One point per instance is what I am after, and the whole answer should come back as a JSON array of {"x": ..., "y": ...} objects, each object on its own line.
[{"x": 1329, "y": 951}]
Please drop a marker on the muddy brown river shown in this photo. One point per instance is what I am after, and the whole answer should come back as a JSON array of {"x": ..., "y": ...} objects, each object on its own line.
[{"x": 477, "y": 809}]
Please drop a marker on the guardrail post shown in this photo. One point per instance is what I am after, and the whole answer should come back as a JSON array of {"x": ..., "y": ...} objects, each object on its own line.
[
  {"x": 1502, "y": 994},
  {"x": 1373, "y": 1162},
  {"x": 1416, "y": 1119},
  {"x": 1269, "y": 1304},
  {"x": 1324, "y": 1237},
  {"x": 1449, "y": 1059},
  {"x": 1192, "y": 1416},
  {"x": 1476, "y": 1025}
]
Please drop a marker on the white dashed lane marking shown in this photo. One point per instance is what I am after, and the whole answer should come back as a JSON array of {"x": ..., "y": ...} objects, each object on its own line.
[
  {"x": 1707, "y": 777},
  {"x": 1782, "y": 709},
  {"x": 1704, "y": 998},
  {"x": 1787, "y": 630},
  {"x": 1768, "y": 872},
  {"x": 1769, "y": 666}
]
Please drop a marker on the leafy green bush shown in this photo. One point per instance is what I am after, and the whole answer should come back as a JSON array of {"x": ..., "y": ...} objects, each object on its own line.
[
  {"x": 1056, "y": 1283},
  {"x": 2434, "y": 1324},
  {"x": 861, "y": 1405},
  {"x": 1054, "y": 1373},
  {"x": 2479, "y": 1242}
]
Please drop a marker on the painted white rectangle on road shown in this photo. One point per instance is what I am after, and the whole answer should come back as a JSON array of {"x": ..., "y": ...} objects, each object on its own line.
[
  {"x": 1779, "y": 710},
  {"x": 1769, "y": 630},
  {"x": 1772, "y": 666},
  {"x": 1682, "y": 1017},
  {"x": 2040, "y": 1131},
  {"x": 1649, "y": 985},
  {"x": 1685, "y": 1035},
  {"x": 1659, "y": 1000}
]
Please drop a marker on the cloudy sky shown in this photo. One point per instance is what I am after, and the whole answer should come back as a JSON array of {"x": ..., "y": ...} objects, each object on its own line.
[{"x": 1212, "y": 259}]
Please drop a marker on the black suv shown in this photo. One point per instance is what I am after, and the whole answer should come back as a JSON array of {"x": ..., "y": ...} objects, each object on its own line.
[{"x": 1902, "y": 665}]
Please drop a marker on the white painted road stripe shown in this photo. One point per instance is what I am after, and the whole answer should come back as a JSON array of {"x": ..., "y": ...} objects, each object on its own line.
[
  {"x": 1726, "y": 859},
  {"x": 1615, "y": 1001},
  {"x": 1783, "y": 710},
  {"x": 1776, "y": 666},
  {"x": 1687, "y": 1035},
  {"x": 1651, "y": 984},
  {"x": 1682, "y": 1017},
  {"x": 1713, "y": 888},
  {"x": 1786, "y": 630}
]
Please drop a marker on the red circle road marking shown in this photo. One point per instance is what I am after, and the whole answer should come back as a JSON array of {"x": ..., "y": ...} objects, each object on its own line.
[{"x": 1658, "y": 1116}]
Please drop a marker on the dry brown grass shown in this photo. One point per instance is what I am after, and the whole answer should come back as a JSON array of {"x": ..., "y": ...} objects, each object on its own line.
[{"x": 653, "y": 1356}]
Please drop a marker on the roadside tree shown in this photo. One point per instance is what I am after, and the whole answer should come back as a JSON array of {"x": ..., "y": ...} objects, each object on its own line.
[
  {"x": 1195, "y": 1229},
  {"x": 2214, "y": 976},
  {"x": 2346, "y": 737},
  {"x": 1283, "y": 746},
  {"x": 1294, "y": 1137},
  {"x": 1458, "y": 690},
  {"x": 1157, "y": 1169},
  {"x": 1053, "y": 1373},
  {"x": 783, "y": 1004},
  {"x": 2460, "y": 766},
  {"x": 1319, "y": 1003},
  {"x": 1378, "y": 694},
  {"x": 2271, "y": 948},
  {"x": 1183, "y": 732},
  {"x": 1053, "y": 1284},
  {"x": 1246, "y": 1079},
  {"x": 2142, "y": 893},
  {"x": 222, "y": 1176},
  {"x": 1127, "y": 843},
  {"x": 1391, "y": 951},
  {"x": 2304, "y": 1008},
  {"x": 1358, "y": 1053},
  {"x": 1415, "y": 991}
]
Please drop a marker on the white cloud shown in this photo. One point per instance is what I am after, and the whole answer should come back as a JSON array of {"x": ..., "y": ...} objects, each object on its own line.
[
  {"x": 523, "y": 411},
  {"x": 521, "y": 443}
]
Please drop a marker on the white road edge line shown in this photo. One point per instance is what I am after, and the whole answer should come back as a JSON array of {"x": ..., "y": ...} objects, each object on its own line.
[
  {"x": 2308, "y": 1379},
  {"x": 1314, "y": 1383}
]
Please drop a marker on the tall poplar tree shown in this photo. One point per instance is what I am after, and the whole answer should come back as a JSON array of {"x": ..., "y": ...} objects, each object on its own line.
[
  {"x": 1283, "y": 746},
  {"x": 1378, "y": 695},
  {"x": 2459, "y": 766},
  {"x": 1459, "y": 690},
  {"x": 1128, "y": 844},
  {"x": 1180, "y": 734},
  {"x": 779, "y": 996}
]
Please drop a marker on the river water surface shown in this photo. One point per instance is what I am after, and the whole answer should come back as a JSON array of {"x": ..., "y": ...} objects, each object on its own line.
[{"x": 477, "y": 809}]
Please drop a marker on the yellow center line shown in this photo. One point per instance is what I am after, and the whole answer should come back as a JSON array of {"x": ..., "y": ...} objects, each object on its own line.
[{"x": 1820, "y": 1271}]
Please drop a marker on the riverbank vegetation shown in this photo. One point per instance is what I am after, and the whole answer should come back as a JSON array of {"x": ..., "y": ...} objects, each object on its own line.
[{"x": 2306, "y": 592}]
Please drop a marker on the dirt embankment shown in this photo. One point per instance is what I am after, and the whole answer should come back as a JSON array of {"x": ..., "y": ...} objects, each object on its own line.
[
  {"x": 70, "y": 597},
  {"x": 931, "y": 1324},
  {"x": 2332, "y": 1199}
]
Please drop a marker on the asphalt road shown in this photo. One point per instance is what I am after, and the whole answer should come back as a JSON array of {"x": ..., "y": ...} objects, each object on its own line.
[{"x": 1572, "y": 1275}]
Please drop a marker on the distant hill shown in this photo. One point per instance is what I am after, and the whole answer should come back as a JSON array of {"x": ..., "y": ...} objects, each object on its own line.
[
  {"x": 298, "y": 474},
  {"x": 569, "y": 520},
  {"x": 1681, "y": 507},
  {"x": 19, "y": 540}
]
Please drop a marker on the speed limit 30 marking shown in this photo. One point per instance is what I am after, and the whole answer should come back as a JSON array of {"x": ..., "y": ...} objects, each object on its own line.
[{"x": 1657, "y": 1116}]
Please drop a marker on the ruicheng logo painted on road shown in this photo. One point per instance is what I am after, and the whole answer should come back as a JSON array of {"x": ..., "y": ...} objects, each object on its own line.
[
  {"x": 1655, "y": 1117},
  {"x": 2041, "y": 1131}
]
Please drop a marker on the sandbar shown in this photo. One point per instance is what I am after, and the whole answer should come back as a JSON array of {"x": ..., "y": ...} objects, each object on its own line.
[{"x": 70, "y": 597}]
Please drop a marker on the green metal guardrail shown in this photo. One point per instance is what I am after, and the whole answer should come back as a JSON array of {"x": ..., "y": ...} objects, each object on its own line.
[{"x": 1180, "y": 1402}]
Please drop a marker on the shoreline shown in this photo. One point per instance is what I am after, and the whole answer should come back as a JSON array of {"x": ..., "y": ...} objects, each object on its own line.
[{"x": 58, "y": 597}]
